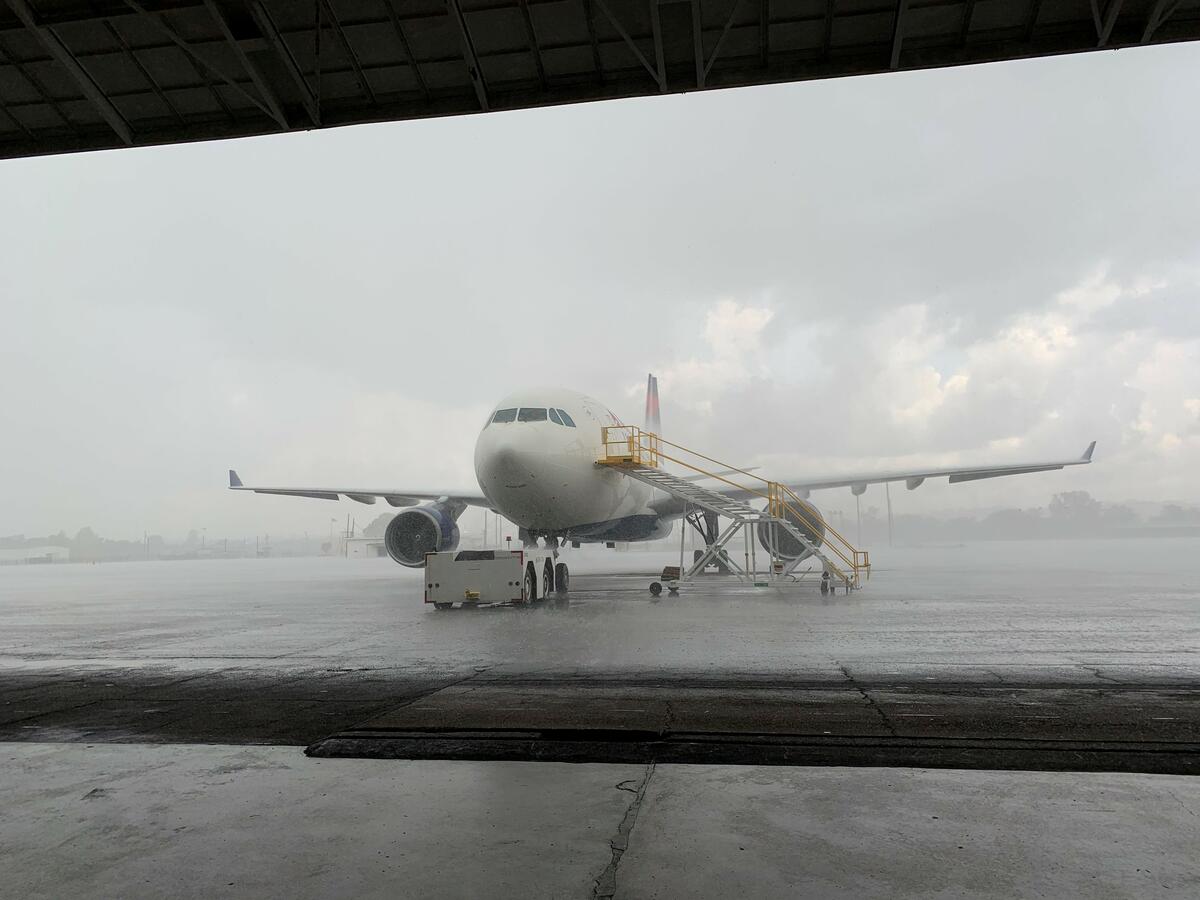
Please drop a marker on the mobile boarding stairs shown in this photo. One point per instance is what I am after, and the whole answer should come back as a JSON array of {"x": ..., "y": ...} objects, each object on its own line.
[{"x": 640, "y": 454}]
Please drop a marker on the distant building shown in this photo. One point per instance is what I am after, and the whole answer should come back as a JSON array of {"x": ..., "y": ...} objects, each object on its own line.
[
  {"x": 365, "y": 548},
  {"x": 17, "y": 556}
]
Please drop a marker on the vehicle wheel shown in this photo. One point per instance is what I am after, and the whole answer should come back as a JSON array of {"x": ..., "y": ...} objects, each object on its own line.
[
  {"x": 562, "y": 579},
  {"x": 443, "y": 605},
  {"x": 655, "y": 589},
  {"x": 530, "y": 585},
  {"x": 548, "y": 581}
]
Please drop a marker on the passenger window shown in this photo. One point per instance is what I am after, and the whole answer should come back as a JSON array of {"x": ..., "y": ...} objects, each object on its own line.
[
  {"x": 554, "y": 417},
  {"x": 566, "y": 420},
  {"x": 531, "y": 415},
  {"x": 505, "y": 415}
]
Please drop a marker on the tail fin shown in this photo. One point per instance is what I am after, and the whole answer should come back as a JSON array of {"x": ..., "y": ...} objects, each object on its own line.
[{"x": 653, "y": 417}]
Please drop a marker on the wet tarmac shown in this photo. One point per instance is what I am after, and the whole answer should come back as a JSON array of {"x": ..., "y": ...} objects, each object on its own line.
[{"x": 1050, "y": 656}]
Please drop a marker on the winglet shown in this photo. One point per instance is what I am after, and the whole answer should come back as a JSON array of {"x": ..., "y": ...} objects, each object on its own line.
[
  {"x": 1087, "y": 454},
  {"x": 234, "y": 481}
]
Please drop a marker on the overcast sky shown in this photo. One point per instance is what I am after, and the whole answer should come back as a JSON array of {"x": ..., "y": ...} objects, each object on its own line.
[{"x": 985, "y": 263}]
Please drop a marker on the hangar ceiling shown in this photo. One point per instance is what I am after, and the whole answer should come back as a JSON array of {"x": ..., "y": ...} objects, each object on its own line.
[{"x": 78, "y": 75}]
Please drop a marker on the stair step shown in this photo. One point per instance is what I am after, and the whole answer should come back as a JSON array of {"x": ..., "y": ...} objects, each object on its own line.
[{"x": 732, "y": 508}]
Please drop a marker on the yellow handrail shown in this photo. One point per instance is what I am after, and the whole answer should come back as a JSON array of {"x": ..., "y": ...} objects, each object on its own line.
[
  {"x": 645, "y": 448},
  {"x": 829, "y": 529}
]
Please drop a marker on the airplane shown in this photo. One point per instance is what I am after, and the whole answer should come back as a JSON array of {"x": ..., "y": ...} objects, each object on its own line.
[{"x": 535, "y": 461}]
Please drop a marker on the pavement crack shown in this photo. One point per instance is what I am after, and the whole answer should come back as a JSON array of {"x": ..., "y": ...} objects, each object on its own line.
[
  {"x": 1187, "y": 809},
  {"x": 1095, "y": 670},
  {"x": 606, "y": 885},
  {"x": 887, "y": 723}
]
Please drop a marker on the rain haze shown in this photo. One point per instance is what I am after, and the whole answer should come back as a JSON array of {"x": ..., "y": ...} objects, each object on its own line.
[
  {"x": 986, "y": 264},
  {"x": 650, "y": 683}
]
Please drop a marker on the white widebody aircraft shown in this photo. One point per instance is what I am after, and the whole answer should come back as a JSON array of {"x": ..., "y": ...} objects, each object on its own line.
[{"x": 536, "y": 463}]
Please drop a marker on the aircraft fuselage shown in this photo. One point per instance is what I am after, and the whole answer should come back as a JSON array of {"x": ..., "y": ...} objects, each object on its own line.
[{"x": 538, "y": 468}]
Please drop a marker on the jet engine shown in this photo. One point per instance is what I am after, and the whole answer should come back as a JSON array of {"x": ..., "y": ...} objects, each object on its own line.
[
  {"x": 806, "y": 519},
  {"x": 420, "y": 530}
]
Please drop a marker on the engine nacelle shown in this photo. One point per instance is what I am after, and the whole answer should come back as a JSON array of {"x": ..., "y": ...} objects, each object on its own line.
[
  {"x": 420, "y": 530},
  {"x": 807, "y": 520}
]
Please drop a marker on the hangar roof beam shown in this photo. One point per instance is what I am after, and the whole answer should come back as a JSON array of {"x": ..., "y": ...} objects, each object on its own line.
[
  {"x": 967, "y": 14},
  {"x": 898, "y": 33},
  {"x": 298, "y": 64},
  {"x": 269, "y": 97},
  {"x": 270, "y": 31},
  {"x": 533, "y": 43},
  {"x": 12, "y": 118},
  {"x": 137, "y": 63},
  {"x": 406, "y": 47},
  {"x": 1035, "y": 9},
  {"x": 340, "y": 33},
  {"x": 827, "y": 33},
  {"x": 590, "y": 16},
  {"x": 737, "y": 4},
  {"x": 38, "y": 87},
  {"x": 469, "y": 55},
  {"x": 54, "y": 45},
  {"x": 1105, "y": 23},
  {"x": 616, "y": 23},
  {"x": 170, "y": 33},
  {"x": 656, "y": 29},
  {"x": 1163, "y": 10}
]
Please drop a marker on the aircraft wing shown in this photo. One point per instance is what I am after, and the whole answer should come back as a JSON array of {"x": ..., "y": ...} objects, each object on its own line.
[
  {"x": 393, "y": 496},
  {"x": 913, "y": 479}
]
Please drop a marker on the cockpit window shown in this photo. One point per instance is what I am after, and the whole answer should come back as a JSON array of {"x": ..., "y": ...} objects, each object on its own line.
[
  {"x": 566, "y": 420},
  {"x": 554, "y": 416},
  {"x": 505, "y": 415},
  {"x": 528, "y": 414}
]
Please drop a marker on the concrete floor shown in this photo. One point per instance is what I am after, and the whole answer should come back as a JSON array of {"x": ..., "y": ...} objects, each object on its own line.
[{"x": 136, "y": 821}]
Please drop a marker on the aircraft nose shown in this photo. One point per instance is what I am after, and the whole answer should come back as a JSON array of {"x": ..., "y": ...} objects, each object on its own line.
[
  {"x": 510, "y": 467},
  {"x": 505, "y": 467}
]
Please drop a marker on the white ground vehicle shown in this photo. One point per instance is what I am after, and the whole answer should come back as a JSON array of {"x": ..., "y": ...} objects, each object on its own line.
[{"x": 472, "y": 577}]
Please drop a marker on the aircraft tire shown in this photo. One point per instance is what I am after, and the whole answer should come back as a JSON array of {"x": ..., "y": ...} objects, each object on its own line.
[{"x": 562, "y": 579}]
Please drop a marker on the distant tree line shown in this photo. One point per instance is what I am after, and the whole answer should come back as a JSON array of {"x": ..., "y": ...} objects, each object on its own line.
[
  {"x": 87, "y": 546},
  {"x": 1070, "y": 514}
]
